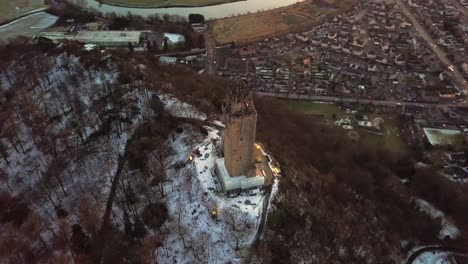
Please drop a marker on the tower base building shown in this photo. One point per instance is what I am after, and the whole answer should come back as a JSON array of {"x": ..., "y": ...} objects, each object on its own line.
[{"x": 237, "y": 171}]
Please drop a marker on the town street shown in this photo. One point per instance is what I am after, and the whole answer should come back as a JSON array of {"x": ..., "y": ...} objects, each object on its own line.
[
  {"x": 438, "y": 52},
  {"x": 210, "y": 54},
  {"x": 294, "y": 96}
]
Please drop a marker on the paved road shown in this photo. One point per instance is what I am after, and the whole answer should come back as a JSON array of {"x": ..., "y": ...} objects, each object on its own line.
[
  {"x": 210, "y": 46},
  {"x": 294, "y": 96},
  {"x": 261, "y": 227},
  {"x": 432, "y": 44}
]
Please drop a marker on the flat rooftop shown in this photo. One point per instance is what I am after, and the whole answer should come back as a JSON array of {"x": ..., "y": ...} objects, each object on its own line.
[
  {"x": 102, "y": 36},
  {"x": 443, "y": 137},
  {"x": 239, "y": 182}
]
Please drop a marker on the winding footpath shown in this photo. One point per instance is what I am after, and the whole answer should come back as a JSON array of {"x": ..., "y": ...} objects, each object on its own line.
[{"x": 261, "y": 227}]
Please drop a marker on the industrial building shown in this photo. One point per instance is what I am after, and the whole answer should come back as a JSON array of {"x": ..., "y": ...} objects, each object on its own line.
[
  {"x": 107, "y": 38},
  {"x": 167, "y": 60}
]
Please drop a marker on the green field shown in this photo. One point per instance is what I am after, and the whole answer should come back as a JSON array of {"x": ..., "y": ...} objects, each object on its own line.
[
  {"x": 165, "y": 3},
  {"x": 390, "y": 141},
  {"x": 12, "y": 8},
  {"x": 328, "y": 110}
]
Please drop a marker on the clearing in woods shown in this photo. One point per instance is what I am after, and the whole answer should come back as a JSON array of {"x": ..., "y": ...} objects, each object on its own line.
[
  {"x": 256, "y": 26},
  {"x": 331, "y": 113},
  {"x": 12, "y": 8}
]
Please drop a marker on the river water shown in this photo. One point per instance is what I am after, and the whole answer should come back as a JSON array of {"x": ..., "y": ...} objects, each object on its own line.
[{"x": 210, "y": 12}]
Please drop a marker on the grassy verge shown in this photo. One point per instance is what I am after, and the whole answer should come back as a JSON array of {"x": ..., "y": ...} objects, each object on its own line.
[{"x": 328, "y": 110}]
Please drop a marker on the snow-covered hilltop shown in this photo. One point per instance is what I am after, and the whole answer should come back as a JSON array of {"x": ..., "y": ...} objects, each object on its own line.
[
  {"x": 97, "y": 167},
  {"x": 203, "y": 226},
  {"x": 210, "y": 227}
]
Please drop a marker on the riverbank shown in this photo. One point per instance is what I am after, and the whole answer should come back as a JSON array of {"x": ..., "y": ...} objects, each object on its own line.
[
  {"x": 228, "y": 9},
  {"x": 166, "y": 4},
  {"x": 298, "y": 17}
]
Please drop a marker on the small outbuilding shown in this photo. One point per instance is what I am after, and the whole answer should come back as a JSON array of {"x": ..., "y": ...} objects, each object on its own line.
[{"x": 237, "y": 183}]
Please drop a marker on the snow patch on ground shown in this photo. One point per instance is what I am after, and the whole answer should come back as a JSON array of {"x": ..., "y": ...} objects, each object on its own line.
[
  {"x": 448, "y": 228},
  {"x": 89, "y": 46},
  {"x": 442, "y": 136},
  {"x": 193, "y": 198},
  {"x": 181, "y": 109},
  {"x": 274, "y": 194},
  {"x": 433, "y": 257},
  {"x": 205, "y": 165},
  {"x": 46, "y": 20}
]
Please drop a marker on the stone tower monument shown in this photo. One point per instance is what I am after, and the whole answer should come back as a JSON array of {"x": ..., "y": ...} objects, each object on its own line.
[{"x": 240, "y": 118}]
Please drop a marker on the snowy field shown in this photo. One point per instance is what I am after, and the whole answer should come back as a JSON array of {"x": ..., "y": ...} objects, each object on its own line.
[
  {"x": 207, "y": 239},
  {"x": 205, "y": 165},
  {"x": 72, "y": 140},
  {"x": 180, "y": 109},
  {"x": 443, "y": 137},
  {"x": 174, "y": 38},
  {"x": 448, "y": 228},
  {"x": 434, "y": 257},
  {"x": 27, "y": 26}
]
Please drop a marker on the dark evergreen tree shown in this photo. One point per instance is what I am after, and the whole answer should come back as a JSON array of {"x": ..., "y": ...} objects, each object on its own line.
[
  {"x": 139, "y": 230},
  {"x": 166, "y": 44},
  {"x": 79, "y": 240}
]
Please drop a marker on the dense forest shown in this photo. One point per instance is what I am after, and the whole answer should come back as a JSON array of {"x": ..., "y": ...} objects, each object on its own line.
[
  {"x": 86, "y": 149},
  {"x": 342, "y": 202}
]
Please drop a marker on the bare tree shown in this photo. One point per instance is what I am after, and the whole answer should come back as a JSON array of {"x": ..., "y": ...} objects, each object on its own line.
[
  {"x": 149, "y": 249},
  {"x": 90, "y": 216},
  {"x": 181, "y": 229}
]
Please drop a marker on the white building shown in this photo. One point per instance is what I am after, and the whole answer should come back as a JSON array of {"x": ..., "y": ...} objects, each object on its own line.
[
  {"x": 103, "y": 38},
  {"x": 238, "y": 183},
  {"x": 167, "y": 60}
]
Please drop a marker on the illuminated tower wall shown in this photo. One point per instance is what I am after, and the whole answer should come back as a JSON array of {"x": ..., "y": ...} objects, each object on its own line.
[{"x": 240, "y": 118}]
